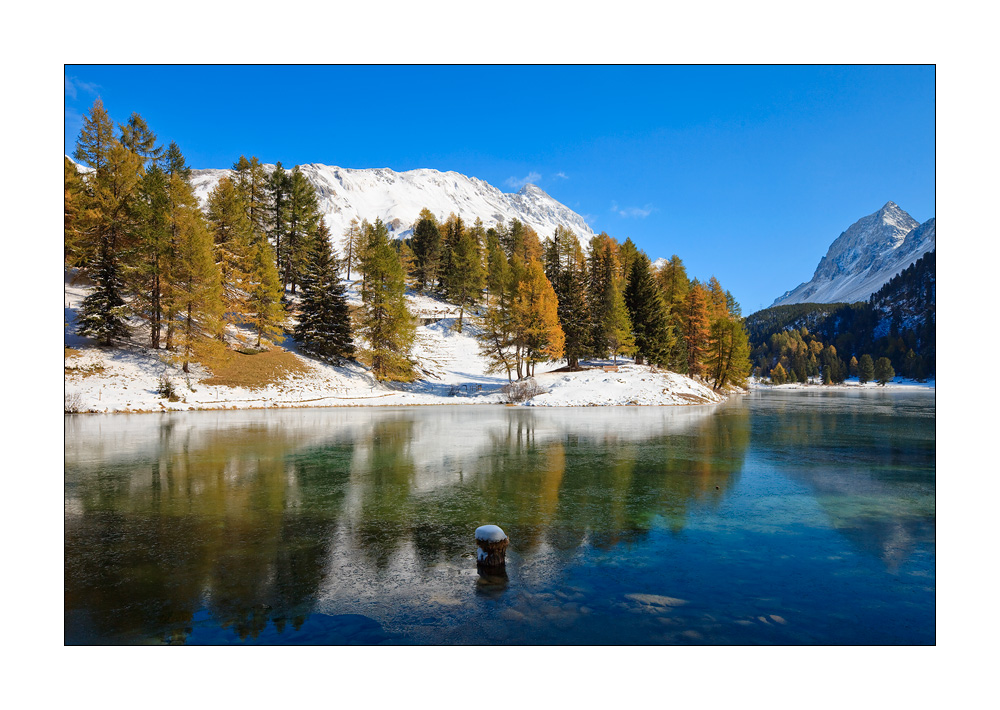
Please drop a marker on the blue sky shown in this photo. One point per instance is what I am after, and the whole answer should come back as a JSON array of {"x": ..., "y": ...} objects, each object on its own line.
[{"x": 746, "y": 173}]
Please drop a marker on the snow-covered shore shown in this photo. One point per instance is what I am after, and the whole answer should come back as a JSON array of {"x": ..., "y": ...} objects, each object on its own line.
[
  {"x": 897, "y": 383},
  {"x": 127, "y": 379}
]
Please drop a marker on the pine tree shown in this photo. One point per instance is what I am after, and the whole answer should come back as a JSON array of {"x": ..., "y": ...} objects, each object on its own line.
[
  {"x": 278, "y": 186},
  {"x": 883, "y": 371},
  {"x": 303, "y": 219},
  {"x": 103, "y": 315},
  {"x": 324, "y": 327},
  {"x": 152, "y": 213},
  {"x": 112, "y": 232},
  {"x": 628, "y": 252},
  {"x": 602, "y": 283},
  {"x": 386, "y": 324},
  {"x": 452, "y": 232},
  {"x": 566, "y": 270},
  {"x": 647, "y": 313},
  {"x": 778, "y": 375},
  {"x": 467, "y": 277},
  {"x": 426, "y": 250},
  {"x": 853, "y": 366},
  {"x": 866, "y": 369},
  {"x": 137, "y": 137},
  {"x": 254, "y": 186}
]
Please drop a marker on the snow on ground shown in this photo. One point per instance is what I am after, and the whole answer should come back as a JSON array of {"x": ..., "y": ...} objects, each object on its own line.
[
  {"x": 851, "y": 383},
  {"x": 631, "y": 384},
  {"x": 127, "y": 379}
]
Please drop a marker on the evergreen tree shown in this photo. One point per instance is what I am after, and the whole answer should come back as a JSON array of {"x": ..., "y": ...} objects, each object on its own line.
[
  {"x": 627, "y": 255},
  {"x": 452, "y": 232},
  {"x": 602, "y": 283},
  {"x": 324, "y": 327},
  {"x": 866, "y": 369},
  {"x": 467, "y": 277},
  {"x": 426, "y": 250},
  {"x": 148, "y": 277},
  {"x": 278, "y": 187},
  {"x": 647, "y": 313},
  {"x": 496, "y": 266},
  {"x": 303, "y": 219},
  {"x": 883, "y": 371},
  {"x": 138, "y": 138},
  {"x": 386, "y": 324},
  {"x": 566, "y": 270},
  {"x": 853, "y": 366},
  {"x": 103, "y": 315},
  {"x": 264, "y": 312},
  {"x": 778, "y": 375},
  {"x": 112, "y": 230},
  {"x": 254, "y": 186}
]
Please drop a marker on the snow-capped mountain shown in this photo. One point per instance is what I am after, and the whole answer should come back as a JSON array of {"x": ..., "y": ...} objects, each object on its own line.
[
  {"x": 863, "y": 258},
  {"x": 398, "y": 197}
]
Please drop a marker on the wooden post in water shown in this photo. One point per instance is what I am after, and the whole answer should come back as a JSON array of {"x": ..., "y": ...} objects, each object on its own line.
[{"x": 492, "y": 543}]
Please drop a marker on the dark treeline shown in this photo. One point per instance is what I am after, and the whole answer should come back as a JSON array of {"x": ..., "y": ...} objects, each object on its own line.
[
  {"x": 196, "y": 282},
  {"x": 839, "y": 340}
]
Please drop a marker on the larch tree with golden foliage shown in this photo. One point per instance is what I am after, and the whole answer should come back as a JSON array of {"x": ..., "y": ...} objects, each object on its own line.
[{"x": 538, "y": 337}]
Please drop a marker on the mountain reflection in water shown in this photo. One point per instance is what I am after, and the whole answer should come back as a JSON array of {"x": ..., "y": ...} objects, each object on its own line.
[{"x": 355, "y": 525}]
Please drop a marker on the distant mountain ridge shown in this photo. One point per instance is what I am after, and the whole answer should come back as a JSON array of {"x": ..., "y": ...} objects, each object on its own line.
[
  {"x": 865, "y": 257},
  {"x": 397, "y": 198}
]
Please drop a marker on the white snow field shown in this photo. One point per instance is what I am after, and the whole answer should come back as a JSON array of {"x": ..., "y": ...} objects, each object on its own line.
[{"x": 127, "y": 379}]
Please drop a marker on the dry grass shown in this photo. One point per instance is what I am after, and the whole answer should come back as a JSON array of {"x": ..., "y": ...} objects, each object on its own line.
[
  {"x": 252, "y": 370},
  {"x": 77, "y": 370}
]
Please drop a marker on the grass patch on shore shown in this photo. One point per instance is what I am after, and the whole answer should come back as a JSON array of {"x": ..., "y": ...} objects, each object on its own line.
[{"x": 251, "y": 370}]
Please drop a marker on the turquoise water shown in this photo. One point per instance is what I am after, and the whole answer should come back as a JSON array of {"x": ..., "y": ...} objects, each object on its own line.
[{"x": 803, "y": 517}]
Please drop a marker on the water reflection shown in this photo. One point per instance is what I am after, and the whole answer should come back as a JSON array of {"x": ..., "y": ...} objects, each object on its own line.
[
  {"x": 872, "y": 475},
  {"x": 306, "y": 524}
]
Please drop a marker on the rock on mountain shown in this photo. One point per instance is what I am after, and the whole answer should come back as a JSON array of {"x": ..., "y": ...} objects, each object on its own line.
[
  {"x": 863, "y": 258},
  {"x": 397, "y": 198}
]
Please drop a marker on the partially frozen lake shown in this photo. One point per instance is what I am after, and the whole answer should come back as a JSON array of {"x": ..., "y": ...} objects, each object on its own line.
[{"x": 803, "y": 517}]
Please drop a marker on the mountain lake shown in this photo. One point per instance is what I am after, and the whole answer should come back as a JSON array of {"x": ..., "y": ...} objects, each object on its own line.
[{"x": 778, "y": 517}]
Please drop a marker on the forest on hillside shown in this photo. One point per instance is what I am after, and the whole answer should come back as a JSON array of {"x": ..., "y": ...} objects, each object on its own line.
[
  {"x": 837, "y": 340},
  {"x": 258, "y": 263}
]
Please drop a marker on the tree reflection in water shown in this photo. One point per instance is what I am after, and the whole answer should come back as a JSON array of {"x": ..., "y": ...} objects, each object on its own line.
[{"x": 263, "y": 518}]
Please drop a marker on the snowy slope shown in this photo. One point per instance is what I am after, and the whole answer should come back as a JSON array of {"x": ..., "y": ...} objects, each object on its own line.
[
  {"x": 397, "y": 198},
  {"x": 452, "y": 371},
  {"x": 863, "y": 258}
]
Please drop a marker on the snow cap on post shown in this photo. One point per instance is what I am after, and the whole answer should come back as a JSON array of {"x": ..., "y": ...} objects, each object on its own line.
[{"x": 492, "y": 543}]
